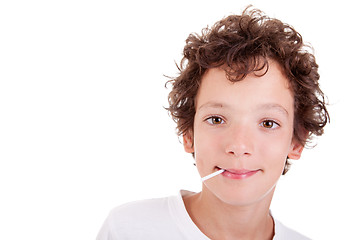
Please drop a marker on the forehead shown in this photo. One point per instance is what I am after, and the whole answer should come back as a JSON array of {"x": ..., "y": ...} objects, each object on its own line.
[{"x": 269, "y": 89}]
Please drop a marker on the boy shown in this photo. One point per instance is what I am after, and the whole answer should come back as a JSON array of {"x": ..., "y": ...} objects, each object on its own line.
[{"x": 246, "y": 101}]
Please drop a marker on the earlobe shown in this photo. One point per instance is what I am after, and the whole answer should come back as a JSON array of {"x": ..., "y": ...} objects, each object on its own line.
[
  {"x": 188, "y": 143},
  {"x": 295, "y": 151}
]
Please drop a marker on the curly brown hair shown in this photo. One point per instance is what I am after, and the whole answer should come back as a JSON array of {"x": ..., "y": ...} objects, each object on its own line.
[{"x": 244, "y": 44}]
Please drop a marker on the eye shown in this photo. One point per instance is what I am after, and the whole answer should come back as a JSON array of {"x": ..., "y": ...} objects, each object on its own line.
[
  {"x": 215, "y": 120},
  {"x": 270, "y": 124}
]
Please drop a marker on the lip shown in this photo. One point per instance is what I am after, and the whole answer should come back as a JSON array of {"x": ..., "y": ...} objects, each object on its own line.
[{"x": 239, "y": 173}]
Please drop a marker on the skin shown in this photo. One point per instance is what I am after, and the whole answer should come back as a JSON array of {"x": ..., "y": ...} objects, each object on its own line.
[{"x": 243, "y": 125}]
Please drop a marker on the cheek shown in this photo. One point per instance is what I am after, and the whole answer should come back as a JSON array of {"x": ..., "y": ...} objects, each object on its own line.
[
  {"x": 207, "y": 149},
  {"x": 274, "y": 150},
  {"x": 203, "y": 146}
]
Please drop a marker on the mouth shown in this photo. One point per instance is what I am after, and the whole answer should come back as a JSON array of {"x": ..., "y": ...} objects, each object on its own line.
[{"x": 238, "y": 173}]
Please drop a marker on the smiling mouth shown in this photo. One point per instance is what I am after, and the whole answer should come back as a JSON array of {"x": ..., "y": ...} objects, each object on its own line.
[{"x": 239, "y": 173}]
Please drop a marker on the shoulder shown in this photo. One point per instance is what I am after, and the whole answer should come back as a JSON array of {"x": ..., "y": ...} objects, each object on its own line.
[
  {"x": 137, "y": 220},
  {"x": 282, "y": 232},
  {"x": 145, "y": 210}
]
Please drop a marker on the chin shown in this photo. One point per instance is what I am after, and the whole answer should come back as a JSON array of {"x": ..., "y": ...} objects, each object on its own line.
[{"x": 244, "y": 198}]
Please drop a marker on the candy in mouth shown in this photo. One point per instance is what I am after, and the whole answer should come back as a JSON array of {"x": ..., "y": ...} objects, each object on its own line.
[{"x": 212, "y": 175}]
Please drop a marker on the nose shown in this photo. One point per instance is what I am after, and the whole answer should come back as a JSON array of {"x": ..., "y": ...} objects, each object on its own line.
[{"x": 239, "y": 142}]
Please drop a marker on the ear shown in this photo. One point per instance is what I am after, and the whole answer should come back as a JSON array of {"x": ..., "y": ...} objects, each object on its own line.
[
  {"x": 295, "y": 150},
  {"x": 188, "y": 141}
]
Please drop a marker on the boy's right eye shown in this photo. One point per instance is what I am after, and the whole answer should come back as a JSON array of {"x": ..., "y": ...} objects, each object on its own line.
[{"x": 215, "y": 120}]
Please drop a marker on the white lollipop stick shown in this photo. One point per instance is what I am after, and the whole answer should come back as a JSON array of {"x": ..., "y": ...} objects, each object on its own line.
[{"x": 212, "y": 175}]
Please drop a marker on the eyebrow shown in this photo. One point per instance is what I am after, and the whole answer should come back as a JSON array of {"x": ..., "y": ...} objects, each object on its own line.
[
  {"x": 212, "y": 105},
  {"x": 265, "y": 106},
  {"x": 274, "y": 106}
]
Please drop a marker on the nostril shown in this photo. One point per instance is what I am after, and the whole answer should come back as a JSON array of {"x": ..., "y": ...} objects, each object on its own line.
[{"x": 238, "y": 153}]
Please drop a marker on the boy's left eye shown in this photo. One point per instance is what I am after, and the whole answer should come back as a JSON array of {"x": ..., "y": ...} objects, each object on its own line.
[{"x": 269, "y": 124}]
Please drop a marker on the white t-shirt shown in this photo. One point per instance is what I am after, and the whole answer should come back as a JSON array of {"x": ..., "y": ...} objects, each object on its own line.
[{"x": 164, "y": 218}]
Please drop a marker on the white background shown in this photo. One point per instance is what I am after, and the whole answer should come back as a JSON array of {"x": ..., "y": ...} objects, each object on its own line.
[{"x": 82, "y": 124}]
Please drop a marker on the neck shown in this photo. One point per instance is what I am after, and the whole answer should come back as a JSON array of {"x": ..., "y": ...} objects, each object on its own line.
[{"x": 219, "y": 220}]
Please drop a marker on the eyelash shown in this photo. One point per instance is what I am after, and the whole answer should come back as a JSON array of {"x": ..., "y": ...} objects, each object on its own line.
[
  {"x": 274, "y": 124},
  {"x": 210, "y": 120}
]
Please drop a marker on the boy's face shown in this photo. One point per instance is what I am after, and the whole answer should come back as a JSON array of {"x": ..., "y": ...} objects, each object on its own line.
[{"x": 246, "y": 128}]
